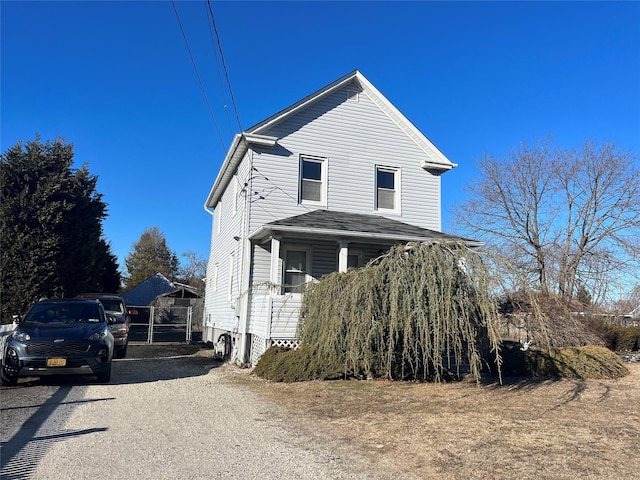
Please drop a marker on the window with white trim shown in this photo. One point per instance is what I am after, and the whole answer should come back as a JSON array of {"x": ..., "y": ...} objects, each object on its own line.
[
  {"x": 296, "y": 266},
  {"x": 312, "y": 180},
  {"x": 218, "y": 216},
  {"x": 387, "y": 189},
  {"x": 354, "y": 259},
  {"x": 231, "y": 266},
  {"x": 235, "y": 194}
]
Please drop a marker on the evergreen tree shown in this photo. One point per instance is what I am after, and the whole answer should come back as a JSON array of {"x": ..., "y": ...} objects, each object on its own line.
[
  {"x": 51, "y": 241},
  {"x": 150, "y": 255}
]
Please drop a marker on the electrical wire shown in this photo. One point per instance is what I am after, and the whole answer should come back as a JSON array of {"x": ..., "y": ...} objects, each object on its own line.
[
  {"x": 218, "y": 69},
  {"x": 204, "y": 93},
  {"x": 224, "y": 66}
]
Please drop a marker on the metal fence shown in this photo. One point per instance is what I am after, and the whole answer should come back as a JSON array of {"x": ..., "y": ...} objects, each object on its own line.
[{"x": 163, "y": 324}]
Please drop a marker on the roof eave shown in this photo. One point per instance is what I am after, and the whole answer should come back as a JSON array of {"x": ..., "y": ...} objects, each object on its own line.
[
  {"x": 266, "y": 231},
  {"x": 437, "y": 168},
  {"x": 236, "y": 153}
]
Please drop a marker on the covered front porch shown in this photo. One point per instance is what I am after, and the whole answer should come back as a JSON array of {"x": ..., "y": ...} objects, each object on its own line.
[{"x": 287, "y": 254}]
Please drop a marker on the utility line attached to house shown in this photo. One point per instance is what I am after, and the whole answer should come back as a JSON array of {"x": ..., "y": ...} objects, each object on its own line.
[{"x": 198, "y": 76}]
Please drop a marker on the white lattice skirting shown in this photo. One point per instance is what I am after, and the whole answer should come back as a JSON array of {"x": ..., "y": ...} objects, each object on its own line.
[
  {"x": 258, "y": 345},
  {"x": 285, "y": 342}
]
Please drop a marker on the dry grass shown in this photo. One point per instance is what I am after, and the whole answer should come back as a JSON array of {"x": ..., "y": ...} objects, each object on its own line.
[{"x": 525, "y": 429}]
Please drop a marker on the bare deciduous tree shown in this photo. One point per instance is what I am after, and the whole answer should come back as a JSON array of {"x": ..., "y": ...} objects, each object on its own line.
[
  {"x": 569, "y": 216},
  {"x": 193, "y": 270}
]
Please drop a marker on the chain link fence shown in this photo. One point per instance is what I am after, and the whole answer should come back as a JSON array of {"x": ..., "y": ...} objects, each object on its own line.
[{"x": 164, "y": 324}]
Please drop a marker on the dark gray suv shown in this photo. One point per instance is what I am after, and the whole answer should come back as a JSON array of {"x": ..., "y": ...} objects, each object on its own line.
[{"x": 59, "y": 337}]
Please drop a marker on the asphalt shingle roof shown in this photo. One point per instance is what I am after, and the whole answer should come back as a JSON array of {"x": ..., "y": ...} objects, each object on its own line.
[{"x": 332, "y": 222}]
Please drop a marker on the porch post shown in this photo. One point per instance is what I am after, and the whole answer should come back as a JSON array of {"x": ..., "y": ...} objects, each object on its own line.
[
  {"x": 245, "y": 293},
  {"x": 343, "y": 256},
  {"x": 276, "y": 274}
]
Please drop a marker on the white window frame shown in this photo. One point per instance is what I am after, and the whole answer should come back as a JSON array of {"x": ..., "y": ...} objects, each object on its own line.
[
  {"x": 396, "y": 184},
  {"x": 218, "y": 215},
  {"x": 323, "y": 161},
  {"x": 235, "y": 195},
  {"x": 307, "y": 272},
  {"x": 231, "y": 267},
  {"x": 355, "y": 253}
]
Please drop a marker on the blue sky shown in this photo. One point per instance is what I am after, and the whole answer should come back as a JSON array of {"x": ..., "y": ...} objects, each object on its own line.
[{"x": 115, "y": 78}]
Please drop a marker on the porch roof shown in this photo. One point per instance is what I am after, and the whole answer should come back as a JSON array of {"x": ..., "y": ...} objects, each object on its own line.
[{"x": 355, "y": 226}]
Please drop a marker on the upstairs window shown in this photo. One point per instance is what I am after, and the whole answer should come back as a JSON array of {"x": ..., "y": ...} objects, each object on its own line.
[
  {"x": 387, "y": 188},
  {"x": 313, "y": 183},
  {"x": 230, "y": 286},
  {"x": 218, "y": 216},
  {"x": 235, "y": 194}
]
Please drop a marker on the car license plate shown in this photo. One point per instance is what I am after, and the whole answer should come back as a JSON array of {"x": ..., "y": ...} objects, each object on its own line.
[{"x": 56, "y": 362}]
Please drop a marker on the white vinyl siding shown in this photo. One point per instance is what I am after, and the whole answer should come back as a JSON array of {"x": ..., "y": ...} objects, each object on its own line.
[
  {"x": 284, "y": 315},
  {"x": 354, "y": 137},
  {"x": 220, "y": 310},
  {"x": 325, "y": 259}
]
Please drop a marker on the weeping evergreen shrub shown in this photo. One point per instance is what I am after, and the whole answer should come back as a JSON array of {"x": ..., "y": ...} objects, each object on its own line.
[
  {"x": 422, "y": 311},
  {"x": 592, "y": 361}
]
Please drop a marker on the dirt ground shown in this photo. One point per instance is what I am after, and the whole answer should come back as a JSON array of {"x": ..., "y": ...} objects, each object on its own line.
[
  {"x": 547, "y": 429},
  {"x": 522, "y": 429}
]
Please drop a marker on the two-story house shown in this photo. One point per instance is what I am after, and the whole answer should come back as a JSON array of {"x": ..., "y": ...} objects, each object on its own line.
[{"x": 326, "y": 184}]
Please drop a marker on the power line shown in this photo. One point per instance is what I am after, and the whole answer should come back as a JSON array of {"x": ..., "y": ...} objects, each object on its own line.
[
  {"x": 198, "y": 75},
  {"x": 224, "y": 66},
  {"x": 219, "y": 70}
]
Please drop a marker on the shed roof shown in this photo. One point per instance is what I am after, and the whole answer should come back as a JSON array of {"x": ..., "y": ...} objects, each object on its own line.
[
  {"x": 353, "y": 226},
  {"x": 144, "y": 293}
]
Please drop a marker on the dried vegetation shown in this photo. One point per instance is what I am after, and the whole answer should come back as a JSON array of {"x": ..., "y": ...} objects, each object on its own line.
[
  {"x": 422, "y": 311},
  {"x": 426, "y": 312}
]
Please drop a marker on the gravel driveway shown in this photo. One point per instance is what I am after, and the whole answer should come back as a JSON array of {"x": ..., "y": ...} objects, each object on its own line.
[{"x": 169, "y": 413}]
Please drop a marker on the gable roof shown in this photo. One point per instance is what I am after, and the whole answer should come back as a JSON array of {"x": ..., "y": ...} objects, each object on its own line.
[
  {"x": 182, "y": 291},
  {"x": 256, "y": 134},
  {"x": 144, "y": 293},
  {"x": 353, "y": 226}
]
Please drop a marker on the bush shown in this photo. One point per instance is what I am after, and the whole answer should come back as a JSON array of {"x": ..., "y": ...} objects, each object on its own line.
[
  {"x": 569, "y": 362},
  {"x": 281, "y": 364},
  {"x": 421, "y": 312},
  {"x": 619, "y": 339}
]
